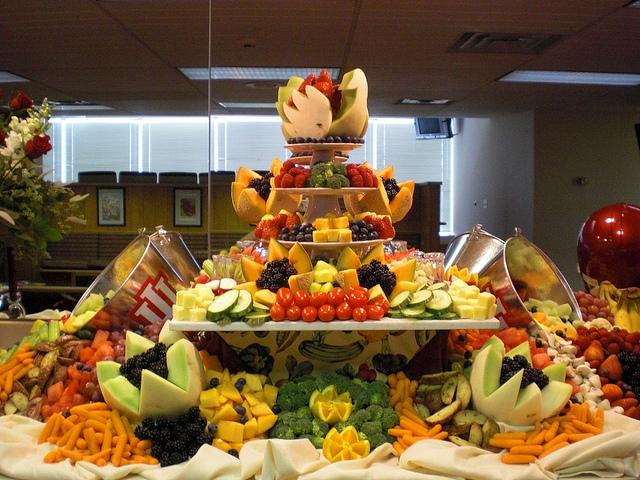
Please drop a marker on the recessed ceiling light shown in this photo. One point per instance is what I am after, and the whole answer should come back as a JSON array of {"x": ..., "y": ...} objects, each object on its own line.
[
  {"x": 64, "y": 106},
  {"x": 8, "y": 77},
  {"x": 584, "y": 78},
  {"x": 254, "y": 73},
  {"x": 435, "y": 101},
  {"x": 246, "y": 105}
]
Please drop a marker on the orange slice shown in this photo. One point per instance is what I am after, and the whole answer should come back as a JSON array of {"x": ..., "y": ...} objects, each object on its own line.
[
  {"x": 329, "y": 406},
  {"x": 344, "y": 446}
]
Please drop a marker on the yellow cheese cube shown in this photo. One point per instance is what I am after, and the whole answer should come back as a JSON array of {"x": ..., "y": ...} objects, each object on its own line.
[
  {"x": 320, "y": 236},
  {"x": 341, "y": 222},
  {"x": 479, "y": 312},
  {"x": 189, "y": 299},
  {"x": 197, "y": 314},
  {"x": 487, "y": 299},
  {"x": 465, "y": 311}
]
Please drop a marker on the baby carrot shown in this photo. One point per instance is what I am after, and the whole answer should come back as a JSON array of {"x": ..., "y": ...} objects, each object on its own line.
[
  {"x": 563, "y": 437},
  {"x": 505, "y": 442},
  {"x": 511, "y": 435},
  {"x": 585, "y": 427},
  {"x": 557, "y": 446},
  {"x": 527, "y": 450},
  {"x": 514, "y": 459}
]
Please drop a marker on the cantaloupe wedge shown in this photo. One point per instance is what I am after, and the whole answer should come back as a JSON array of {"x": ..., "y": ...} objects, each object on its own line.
[
  {"x": 276, "y": 165},
  {"x": 245, "y": 175},
  {"x": 401, "y": 204},
  {"x": 250, "y": 206},
  {"x": 251, "y": 269},
  {"x": 410, "y": 184},
  {"x": 278, "y": 201},
  {"x": 386, "y": 172},
  {"x": 376, "y": 201}
]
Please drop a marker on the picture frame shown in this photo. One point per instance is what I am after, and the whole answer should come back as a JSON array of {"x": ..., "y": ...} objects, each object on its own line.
[
  {"x": 187, "y": 207},
  {"x": 111, "y": 206}
]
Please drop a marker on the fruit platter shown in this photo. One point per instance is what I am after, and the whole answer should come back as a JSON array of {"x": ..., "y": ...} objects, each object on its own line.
[{"x": 319, "y": 351}]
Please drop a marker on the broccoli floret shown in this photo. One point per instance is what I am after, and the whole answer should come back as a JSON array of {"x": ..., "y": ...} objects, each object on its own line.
[
  {"x": 320, "y": 427},
  {"x": 369, "y": 428},
  {"x": 304, "y": 412},
  {"x": 341, "y": 382},
  {"x": 389, "y": 419},
  {"x": 302, "y": 426},
  {"x": 375, "y": 412},
  {"x": 339, "y": 168},
  {"x": 293, "y": 395},
  {"x": 359, "y": 395},
  {"x": 281, "y": 430},
  {"x": 320, "y": 172},
  {"x": 358, "y": 417},
  {"x": 339, "y": 426},
  {"x": 337, "y": 181},
  {"x": 379, "y": 392},
  {"x": 375, "y": 439},
  {"x": 315, "y": 440}
]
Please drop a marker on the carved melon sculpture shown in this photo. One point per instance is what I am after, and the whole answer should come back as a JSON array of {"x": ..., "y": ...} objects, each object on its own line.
[
  {"x": 509, "y": 403},
  {"x": 156, "y": 396}
]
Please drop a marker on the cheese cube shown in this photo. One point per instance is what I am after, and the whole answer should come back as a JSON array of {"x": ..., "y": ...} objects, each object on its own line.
[{"x": 487, "y": 299}]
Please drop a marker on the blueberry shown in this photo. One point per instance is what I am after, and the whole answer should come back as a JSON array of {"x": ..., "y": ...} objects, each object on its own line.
[
  {"x": 240, "y": 410},
  {"x": 212, "y": 428},
  {"x": 215, "y": 381}
]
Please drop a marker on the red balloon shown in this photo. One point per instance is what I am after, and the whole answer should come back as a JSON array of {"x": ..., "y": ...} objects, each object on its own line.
[{"x": 609, "y": 246}]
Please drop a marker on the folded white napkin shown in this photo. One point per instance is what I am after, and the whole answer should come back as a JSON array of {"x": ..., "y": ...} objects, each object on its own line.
[{"x": 614, "y": 454}]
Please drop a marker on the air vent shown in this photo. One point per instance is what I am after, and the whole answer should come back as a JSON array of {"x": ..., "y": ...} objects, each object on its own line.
[{"x": 475, "y": 42}]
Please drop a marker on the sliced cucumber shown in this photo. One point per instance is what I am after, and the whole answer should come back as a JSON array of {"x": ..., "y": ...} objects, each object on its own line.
[
  {"x": 449, "y": 316},
  {"x": 440, "y": 304},
  {"x": 427, "y": 315},
  {"x": 413, "y": 312},
  {"x": 243, "y": 305},
  {"x": 222, "y": 305},
  {"x": 256, "y": 317},
  {"x": 439, "y": 286},
  {"x": 257, "y": 306},
  {"x": 402, "y": 299},
  {"x": 421, "y": 297},
  {"x": 395, "y": 313}
]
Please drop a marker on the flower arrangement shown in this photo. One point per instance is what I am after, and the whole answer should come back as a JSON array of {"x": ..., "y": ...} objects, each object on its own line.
[{"x": 33, "y": 211}]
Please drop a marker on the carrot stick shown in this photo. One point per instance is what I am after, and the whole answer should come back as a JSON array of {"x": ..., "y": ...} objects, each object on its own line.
[
  {"x": 514, "y": 459},
  {"x": 511, "y": 435},
  {"x": 557, "y": 446},
  {"x": 527, "y": 450},
  {"x": 8, "y": 366},
  {"x": 399, "y": 432},
  {"x": 563, "y": 437},
  {"x": 552, "y": 432},
  {"x": 48, "y": 428},
  {"x": 436, "y": 429},
  {"x": 108, "y": 432},
  {"x": 417, "y": 429},
  {"x": 505, "y": 442},
  {"x": 413, "y": 415},
  {"x": 75, "y": 433},
  {"x": 440, "y": 436},
  {"x": 116, "y": 456},
  {"x": 585, "y": 427},
  {"x": 72, "y": 455}
]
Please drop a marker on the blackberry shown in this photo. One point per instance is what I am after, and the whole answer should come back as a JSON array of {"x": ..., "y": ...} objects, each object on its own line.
[
  {"x": 276, "y": 275},
  {"x": 376, "y": 273},
  {"x": 154, "y": 359},
  {"x": 511, "y": 366},
  {"x": 262, "y": 185},
  {"x": 391, "y": 187}
]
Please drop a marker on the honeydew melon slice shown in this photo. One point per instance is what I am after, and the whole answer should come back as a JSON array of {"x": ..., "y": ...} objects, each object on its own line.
[
  {"x": 136, "y": 344},
  {"x": 556, "y": 371},
  {"x": 123, "y": 396},
  {"x": 522, "y": 349},
  {"x": 311, "y": 116},
  {"x": 353, "y": 117}
]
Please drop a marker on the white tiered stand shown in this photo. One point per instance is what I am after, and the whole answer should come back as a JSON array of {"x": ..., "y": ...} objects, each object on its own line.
[{"x": 321, "y": 202}]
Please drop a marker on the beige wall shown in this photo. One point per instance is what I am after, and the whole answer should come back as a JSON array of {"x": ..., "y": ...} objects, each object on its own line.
[{"x": 601, "y": 147}]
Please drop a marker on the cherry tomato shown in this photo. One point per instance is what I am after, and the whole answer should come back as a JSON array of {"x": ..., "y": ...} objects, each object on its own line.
[
  {"x": 293, "y": 312},
  {"x": 343, "y": 311},
  {"x": 357, "y": 299},
  {"x": 301, "y": 298},
  {"x": 336, "y": 296},
  {"x": 383, "y": 302},
  {"x": 318, "y": 299},
  {"x": 309, "y": 313},
  {"x": 284, "y": 297},
  {"x": 326, "y": 312},
  {"x": 277, "y": 312},
  {"x": 359, "y": 314},
  {"x": 374, "y": 312},
  {"x": 356, "y": 288}
]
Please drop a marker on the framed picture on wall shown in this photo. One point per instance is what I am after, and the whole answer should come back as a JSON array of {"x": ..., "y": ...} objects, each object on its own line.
[
  {"x": 111, "y": 206},
  {"x": 187, "y": 210}
]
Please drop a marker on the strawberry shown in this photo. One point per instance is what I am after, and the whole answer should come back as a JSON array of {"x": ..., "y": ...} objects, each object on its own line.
[
  {"x": 307, "y": 173},
  {"x": 259, "y": 229},
  {"x": 367, "y": 179},
  {"x": 387, "y": 230},
  {"x": 300, "y": 181},
  {"x": 356, "y": 181},
  {"x": 611, "y": 368},
  {"x": 280, "y": 219},
  {"x": 375, "y": 221},
  {"x": 336, "y": 99},
  {"x": 277, "y": 181},
  {"x": 324, "y": 76},
  {"x": 351, "y": 171},
  {"x": 595, "y": 353},
  {"x": 295, "y": 170},
  {"x": 292, "y": 219},
  {"x": 271, "y": 229},
  {"x": 375, "y": 181},
  {"x": 287, "y": 165},
  {"x": 325, "y": 88},
  {"x": 287, "y": 181}
]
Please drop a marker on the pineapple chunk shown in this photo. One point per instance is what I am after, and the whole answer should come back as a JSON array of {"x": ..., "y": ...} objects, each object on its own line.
[{"x": 320, "y": 236}]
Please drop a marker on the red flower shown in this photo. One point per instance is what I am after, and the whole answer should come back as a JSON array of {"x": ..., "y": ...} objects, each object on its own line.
[
  {"x": 37, "y": 146},
  {"x": 21, "y": 101}
]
